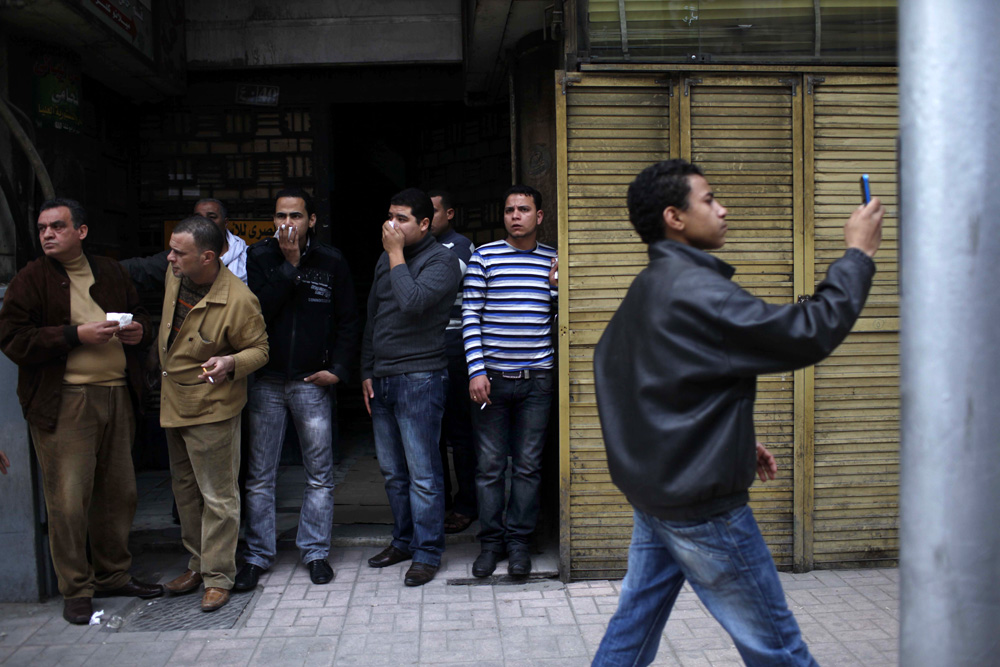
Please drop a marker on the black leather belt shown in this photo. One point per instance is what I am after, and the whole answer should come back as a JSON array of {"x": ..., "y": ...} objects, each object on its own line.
[{"x": 522, "y": 375}]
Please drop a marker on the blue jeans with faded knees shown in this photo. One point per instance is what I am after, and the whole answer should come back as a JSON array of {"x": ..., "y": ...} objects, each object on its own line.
[
  {"x": 514, "y": 424},
  {"x": 406, "y": 416},
  {"x": 730, "y": 569},
  {"x": 311, "y": 407}
]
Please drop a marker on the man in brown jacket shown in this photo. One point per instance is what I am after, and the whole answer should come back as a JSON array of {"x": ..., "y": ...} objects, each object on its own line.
[
  {"x": 78, "y": 381},
  {"x": 212, "y": 336}
]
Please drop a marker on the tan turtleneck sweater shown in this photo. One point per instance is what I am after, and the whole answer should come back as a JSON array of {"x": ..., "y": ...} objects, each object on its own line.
[{"x": 90, "y": 364}]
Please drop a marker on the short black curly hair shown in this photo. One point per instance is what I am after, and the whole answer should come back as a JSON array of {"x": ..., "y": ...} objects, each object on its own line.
[
  {"x": 656, "y": 187},
  {"x": 420, "y": 204}
]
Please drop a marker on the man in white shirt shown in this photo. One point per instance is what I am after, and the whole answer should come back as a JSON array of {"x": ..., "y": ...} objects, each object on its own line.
[{"x": 149, "y": 273}]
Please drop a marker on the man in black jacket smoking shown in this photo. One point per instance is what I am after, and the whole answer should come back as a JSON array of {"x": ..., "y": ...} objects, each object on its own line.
[
  {"x": 675, "y": 374},
  {"x": 307, "y": 298}
]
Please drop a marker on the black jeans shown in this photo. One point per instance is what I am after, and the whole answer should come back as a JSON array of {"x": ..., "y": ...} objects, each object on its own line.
[{"x": 513, "y": 424}]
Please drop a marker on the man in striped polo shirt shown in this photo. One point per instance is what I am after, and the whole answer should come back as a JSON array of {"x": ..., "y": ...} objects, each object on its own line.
[{"x": 508, "y": 302}]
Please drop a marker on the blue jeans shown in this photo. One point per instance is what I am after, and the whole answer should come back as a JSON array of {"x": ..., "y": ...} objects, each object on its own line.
[
  {"x": 513, "y": 424},
  {"x": 311, "y": 408},
  {"x": 729, "y": 567},
  {"x": 406, "y": 415}
]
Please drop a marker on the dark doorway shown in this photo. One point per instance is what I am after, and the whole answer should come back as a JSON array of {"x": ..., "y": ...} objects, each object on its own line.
[{"x": 379, "y": 149}]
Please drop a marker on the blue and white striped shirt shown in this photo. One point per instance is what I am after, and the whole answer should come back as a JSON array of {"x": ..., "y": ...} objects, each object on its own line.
[{"x": 507, "y": 307}]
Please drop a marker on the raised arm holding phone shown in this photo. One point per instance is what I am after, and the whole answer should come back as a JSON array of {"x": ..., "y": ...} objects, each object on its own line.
[{"x": 683, "y": 449}]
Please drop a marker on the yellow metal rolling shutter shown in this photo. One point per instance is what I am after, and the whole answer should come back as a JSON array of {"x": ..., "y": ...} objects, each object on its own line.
[
  {"x": 783, "y": 155},
  {"x": 745, "y": 133},
  {"x": 851, "y": 123},
  {"x": 614, "y": 126}
]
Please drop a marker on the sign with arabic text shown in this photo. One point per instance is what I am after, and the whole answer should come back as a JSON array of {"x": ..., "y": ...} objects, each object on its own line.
[
  {"x": 132, "y": 20},
  {"x": 257, "y": 95},
  {"x": 56, "y": 86},
  {"x": 250, "y": 231}
]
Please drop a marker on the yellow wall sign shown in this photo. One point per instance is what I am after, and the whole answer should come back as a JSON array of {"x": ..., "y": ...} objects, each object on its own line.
[{"x": 250, "y": 231}]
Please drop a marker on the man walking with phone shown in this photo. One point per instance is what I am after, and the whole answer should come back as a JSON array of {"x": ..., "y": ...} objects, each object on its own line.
[{"x": 677, "y": 415}]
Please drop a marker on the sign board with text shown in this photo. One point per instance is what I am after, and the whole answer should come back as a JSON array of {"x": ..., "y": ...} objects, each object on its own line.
[
  {"x": 131, "y": 20},
  {"x": 250, "y": 231}
]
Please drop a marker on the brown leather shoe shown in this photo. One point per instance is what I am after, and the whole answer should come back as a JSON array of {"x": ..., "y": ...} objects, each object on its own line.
[
  {"x": 133, "y": 589},
  {"x": 78, "y": 610},
  {"x": 186, "y": 583},
  {"x": 214, "y": 598}
]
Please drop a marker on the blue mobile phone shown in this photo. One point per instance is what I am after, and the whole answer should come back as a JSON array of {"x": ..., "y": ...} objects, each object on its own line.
[{"x": 866, "y": 191}]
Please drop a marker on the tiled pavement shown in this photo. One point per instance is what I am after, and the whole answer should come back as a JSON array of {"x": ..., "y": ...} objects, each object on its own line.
[{"x": 367, "y": 617}]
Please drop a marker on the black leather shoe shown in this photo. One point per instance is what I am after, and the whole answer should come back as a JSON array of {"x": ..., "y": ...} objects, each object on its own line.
[
  {"x": 486, "y": 563},
  {"x": 388, "y": 556},
  {"x": 78, "y": 610},
  {"x": 419, "y": 574},
  {"x": 519, "y": 564},
  {"x": 133, "y": 589},
  {"x": 246, "y": 579},
  {"x": 320, "y": 571}
]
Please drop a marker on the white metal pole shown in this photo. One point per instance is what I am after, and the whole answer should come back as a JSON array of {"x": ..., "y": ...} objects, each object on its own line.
[{"x": 949, "y": 58}]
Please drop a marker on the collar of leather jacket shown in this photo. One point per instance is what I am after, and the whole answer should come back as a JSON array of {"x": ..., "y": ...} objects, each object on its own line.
[{"x": 665, "y": 249}]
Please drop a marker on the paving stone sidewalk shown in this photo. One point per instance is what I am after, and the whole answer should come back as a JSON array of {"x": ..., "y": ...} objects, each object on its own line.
[{"x": 367, "y": 617}]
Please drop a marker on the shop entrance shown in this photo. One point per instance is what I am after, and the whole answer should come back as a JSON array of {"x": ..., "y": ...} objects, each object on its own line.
[
  {"x": 377, "y": 150},
  {"x": 355, "y": 157}
]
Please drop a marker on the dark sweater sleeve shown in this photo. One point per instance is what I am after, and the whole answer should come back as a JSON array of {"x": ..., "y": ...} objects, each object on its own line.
[
  {"x": 148, "y": 273},
  {"x": 367, "y": 348},
  {"x": 437, "y": 279}
]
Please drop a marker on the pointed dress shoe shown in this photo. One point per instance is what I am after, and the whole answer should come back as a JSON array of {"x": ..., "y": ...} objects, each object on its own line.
[
  {"x": 486, "y": 563},
  {"x": 214, "y": 598},
  {"x": 247, "y": 577},
  {"x": 519, "y": 564},
  {"x": 133, "y": 589},
  {"x": 419, "y": 574},
  {"x": 320, "y": 571},
  {"x": 388, "y": 556},
  {"x": 186, "y": 583},
  {"x": 78, "y": 610}
]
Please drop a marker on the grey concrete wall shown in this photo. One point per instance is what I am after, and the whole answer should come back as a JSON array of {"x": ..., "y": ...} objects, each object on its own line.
[
  {"x": 277, "y": 33},
  {"x": 19, "y": 551}
]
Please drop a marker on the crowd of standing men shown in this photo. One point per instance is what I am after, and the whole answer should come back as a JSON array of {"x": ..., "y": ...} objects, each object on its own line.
[{"x": 456, "y": 351}]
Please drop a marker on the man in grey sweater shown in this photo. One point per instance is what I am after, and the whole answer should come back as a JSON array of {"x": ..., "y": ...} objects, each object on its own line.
[{"x": 405, "y": 377}]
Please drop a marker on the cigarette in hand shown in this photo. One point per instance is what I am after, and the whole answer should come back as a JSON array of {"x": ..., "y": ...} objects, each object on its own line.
[
  {"x": 211, "y": 380},
  {"x": 483, "y": 406}
]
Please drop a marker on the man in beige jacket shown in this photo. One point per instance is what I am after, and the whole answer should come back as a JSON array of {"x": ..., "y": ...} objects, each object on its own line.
[{"x": 212, "y": 336}]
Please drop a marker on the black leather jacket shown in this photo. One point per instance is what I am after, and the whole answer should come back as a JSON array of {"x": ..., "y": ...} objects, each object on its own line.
[
  {"x": 312, "y": 320},
  {"x": 676, "y": 374}
]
